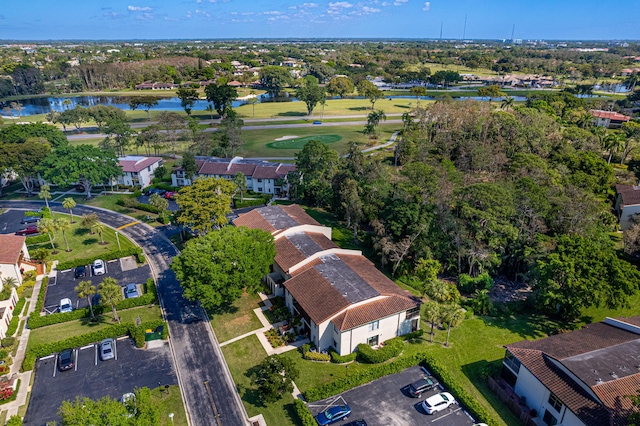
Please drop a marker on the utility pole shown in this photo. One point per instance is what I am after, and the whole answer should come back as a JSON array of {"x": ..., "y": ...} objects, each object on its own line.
[
  {"x": 440, "y": 30},
  {"x": 513, "y": 31},
  {"x": 464, "y": 31}
]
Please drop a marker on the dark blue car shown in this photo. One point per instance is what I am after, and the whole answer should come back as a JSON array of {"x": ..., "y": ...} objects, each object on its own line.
[{"x": 333, "y": 414}]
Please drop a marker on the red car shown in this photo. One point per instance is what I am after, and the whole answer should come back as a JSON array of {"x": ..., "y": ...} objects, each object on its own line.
[
  {"x": 29, "y": 230},
  {"x": 170, "y": 195}
]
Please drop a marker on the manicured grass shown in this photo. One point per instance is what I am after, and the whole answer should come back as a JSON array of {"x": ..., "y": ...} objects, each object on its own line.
[
  {"x": 169, "y": 402},
  {"x": 110, "y": 202},
  {"x": 595, "y": 314},
  {"x": 299, "y": 143},
  {"x": 241, "y": 357},
  {"x": 81, "y": 243},
  {"x": 57, "y": 332},
  {"x": 236, "y": 319}
]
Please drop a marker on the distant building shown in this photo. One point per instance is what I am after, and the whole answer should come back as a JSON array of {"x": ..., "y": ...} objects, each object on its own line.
[
  {"x": 148, "y": 85},
  {"x": 608, "y": 119},
  {"x": 261, "y": 176},
  {"x": 137, "y": 171},
  {"x": 627, "y": 205}
]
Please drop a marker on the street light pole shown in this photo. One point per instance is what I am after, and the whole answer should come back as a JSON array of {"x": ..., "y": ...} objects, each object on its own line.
[{"x": 118, "y": 239}]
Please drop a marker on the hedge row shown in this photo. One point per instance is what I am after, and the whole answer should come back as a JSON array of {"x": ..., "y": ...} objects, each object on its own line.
[
  {"x": 150, "y": 296},
  {"x": 336, "y": 358},
  {"x": 37, "y": 239},
  {"x": 13, "y": 325},
  {"x": 19, "y": 306},
  {"x": 40, "y": 301},
  {"x": 116, "y": 254},
  {"x": 391, "y": 348},
  {"x": 135, "y": 204},
  {"x": 305, "y": 416},
  {"x": 368, "y": 375},
  {"x": 137, "y": 333}
]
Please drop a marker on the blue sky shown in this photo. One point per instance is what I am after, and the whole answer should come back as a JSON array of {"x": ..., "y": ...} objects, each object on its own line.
[{"x": 203, "y": 19}]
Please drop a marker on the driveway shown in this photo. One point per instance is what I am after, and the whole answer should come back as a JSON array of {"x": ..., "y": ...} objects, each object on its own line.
[
  {"x": 211, "y": 397},
  {"x": 10, "y": 221},
  {"x": 385, "y": 402},
  {"x": 63, "y": 285},
  {"x": 94, "y": 378}
]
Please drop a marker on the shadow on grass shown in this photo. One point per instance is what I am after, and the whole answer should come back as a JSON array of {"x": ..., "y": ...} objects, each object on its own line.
[
  {"x": 81, "y": 231},
  {"x": 358, "y": 109},
  {"x": 403, "y": 106},
  {"x": 89, "y": 241},
  {"x": 292, "y": 114},
  {"x": 98, "y": 320},
  {"x": 527, "y": 326}
]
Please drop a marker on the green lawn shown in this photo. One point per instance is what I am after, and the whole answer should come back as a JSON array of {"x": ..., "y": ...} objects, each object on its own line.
[
  {"x": 236, "y": 319},
  {"x": 169, "y": 402},
  {"x": 57, "y": 332},
  {"x": 241, "y": 357},
  {"x": 81, "y": 243},
  {"x": 110, "y": 202}
]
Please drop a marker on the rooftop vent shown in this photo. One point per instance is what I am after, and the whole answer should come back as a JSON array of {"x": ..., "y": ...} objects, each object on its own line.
[
  {"x": 613, "y": 374},
  {"x": 598, "y": 381}
]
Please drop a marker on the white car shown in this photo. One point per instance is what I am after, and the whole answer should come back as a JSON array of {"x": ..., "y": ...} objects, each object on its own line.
[
  {"x": 98, "y": 267},
  {"x": 438, "y": 402},
  {"x": 65, "y": 305}
]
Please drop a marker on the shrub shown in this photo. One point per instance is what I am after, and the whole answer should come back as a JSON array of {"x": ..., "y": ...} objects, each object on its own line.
[
  {"x": 13, "y": 325},
  {"x": 336, "y": 358},
  {"x": 46, "y": 213},
  {"x": 8, "y": 342},
  {"x": 8, "y": 394},
  {"x": 316, "y": 356},
  {"x": 37, "y": 239},
  {"x": 32, "y": 214},
  {"x": 14, "y": 420},
  {"x": 391, "y": 348},
  {"x": 413, "y": 335},
  {"x": 135, "y": 204},
  {"x": 468, "y": 284},
  {"x": 116, "y": 254},
  {"x": 305, "y": 416}
]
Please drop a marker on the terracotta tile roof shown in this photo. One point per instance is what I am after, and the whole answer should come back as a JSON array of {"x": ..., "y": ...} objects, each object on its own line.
[
  {"x": 589, "y": 338},
  {"x": 299, "y": 215},
  {"x": 376, "y": 279},
  {"x": 614, "y": 396},
  {"x": 611, "y": 115},
  {"x": 312, "y": 264},
  {"x": 562, "y": 386},
  {"x": 288, "y": 254},
  {"x": 372, "y": 311},
  {"x": 270, "y": 172},
  {"x": 133, "y": 164},
  {"x": 321, "y": 240},
  {"x": 315, "y": 295},
  {"x": 10, "y": 248},
  {"x": 630, "y": 194},
  {"x": 253, "y": 220}
]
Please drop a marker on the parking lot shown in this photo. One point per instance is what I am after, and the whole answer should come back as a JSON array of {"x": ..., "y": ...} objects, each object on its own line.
[
  {"x": 386, "y": 402},
  {"x": 63, "y": 285},
  {"x": 94, "y": 378},
  {"x": 10, "y": 221}
]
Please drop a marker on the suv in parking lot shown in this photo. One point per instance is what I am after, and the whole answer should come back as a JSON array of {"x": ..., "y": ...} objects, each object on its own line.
[
  {"x": 416, "y": 389},
  {"x": 438, "y": 402},
  {"x": 98, "y": 267},
  {"x": 106, "y": 350},
  {"x": 65, "y": 305},
  {"x": 80, "y": 272},
  {"x": 131, "y": 291},
  {"x": 65, "y": 359}
]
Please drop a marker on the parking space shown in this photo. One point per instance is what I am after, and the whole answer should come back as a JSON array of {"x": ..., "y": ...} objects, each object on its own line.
[
  {"x": 63, "y": 285},
  {"x": 94, "y": 378},
  {"x": 386, "y": 401},
  {"x": 10, "y": 221}
]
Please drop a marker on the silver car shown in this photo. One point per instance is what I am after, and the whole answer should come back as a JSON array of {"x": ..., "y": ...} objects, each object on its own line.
[{"x": 107, "y": 350}]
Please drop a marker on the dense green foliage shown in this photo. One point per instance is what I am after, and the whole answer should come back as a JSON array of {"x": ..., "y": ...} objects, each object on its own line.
[
  {"x": 304, "y": 415},
  {"x": 275, "y": 376},
  {"x": 391, "y": 348},
  {"x": 205, "y": 204},
  {"x": 19, "y": 133}
]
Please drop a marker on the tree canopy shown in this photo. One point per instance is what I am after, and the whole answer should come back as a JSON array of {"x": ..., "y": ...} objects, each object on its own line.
[
  {"x": 273, "y": 79},
  {"x": 216, "y": 268},
  {"x": 221, "y": 96},
  {"x": 19, "y": 133},
  {"x": 310, "y": 93},
  {"x": 205, "y": 204}
]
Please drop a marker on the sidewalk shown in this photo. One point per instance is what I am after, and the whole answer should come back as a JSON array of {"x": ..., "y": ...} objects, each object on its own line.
[{"x": 25, "y": 378}]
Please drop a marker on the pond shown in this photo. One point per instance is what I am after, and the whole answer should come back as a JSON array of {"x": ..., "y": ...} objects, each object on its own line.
[{"x": 46, "y": 104}]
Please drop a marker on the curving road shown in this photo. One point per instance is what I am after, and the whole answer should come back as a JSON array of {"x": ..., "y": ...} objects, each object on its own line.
[{"x": 210, "y": 396}]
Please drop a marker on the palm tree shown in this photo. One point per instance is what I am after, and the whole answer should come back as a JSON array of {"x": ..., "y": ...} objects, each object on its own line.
[
  {"x": 240, "y": 181},
  {"x": 452, "y": 315},
  {"x": 614, "y": 142},
  {"x": 86, "y": 289},
  {"x": 10, "y": 282},
  {"x": 88, "y": 220},
  {"x": 63, "y": 225},
  {"x": 110, "y": 294},
  {"x": 160, "y": 203},
  {"x": 375, "y": 117},
  {"x": 482, "y": 302},
  {"x": 46, "y": 226},
  {"x": 631, "y": 81},
  {"x": 69, "y": 203},
  {"x": 98, "y": 228},
  {"x": 210, "y": 110},
  {"x": 507, "y": 103},
  {"x": 45, "y": 194},
  {"x": 432, "y": 314}
]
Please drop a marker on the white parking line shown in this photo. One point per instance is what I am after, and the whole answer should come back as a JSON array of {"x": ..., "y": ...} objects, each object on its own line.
[
  {"x": 330, "y": 404},
  {"x": 76, "y": 366},
  {"x": 55, "y": 366},
  {"x": 448, "y": 414},
  {"x": 96, "y": 354},
  {"x": 47, "y": 357},
  {"x": 88, "y": 346},
  {"x": 115, "y": 349}
]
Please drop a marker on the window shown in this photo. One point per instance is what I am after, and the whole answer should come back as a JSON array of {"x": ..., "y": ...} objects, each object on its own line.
[
  {"x": 512, "y": 362},
  {"x": 555, "y": 403},
  {"x": 549, "y": 419},
  {"x": 374, "y": 325},
  {"x": 259, "y": 180},
  {"x": 259, "y": 189},
  {"x": 413, "y": 312},
  {"x": 372, "y": 341}
]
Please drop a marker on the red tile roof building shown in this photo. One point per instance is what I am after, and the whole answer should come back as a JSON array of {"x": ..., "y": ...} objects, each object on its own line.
[
  {"x": 627, "y": 205},
  {"x": 609, "y": 119},
  {"x": 342, "y": 298},
  {"x": 581, "y": 377}
]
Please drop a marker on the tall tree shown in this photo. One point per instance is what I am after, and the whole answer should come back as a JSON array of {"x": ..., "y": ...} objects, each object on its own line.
[
  {"x": 98, "y": 228},
  {"x": 418, "y": 91},
  {"x": 491, "y": 92},
  {"x": 273, "y": 79},
  {"x": 375, "y": 118},
  {"x": 222, "y": 97},
  {"x": 172, "y": 123},
  {"x": 110, "y": 294},
  {"x": 63, "y": 225},
  {"x": 146, "y": 102},
  {"x": 24, "y": 160},
  {"x": 240, "y": 181},
  {"x": 310, "y": 93},
  {"x": 46, "y": 226},
  {"x": 431, "y": 313},
  {"x": 45, "y": 194},
  {"x": 229, "y": 135},
  {"x": 340, "y": 86},
  {"x": 427, "y": 271},
  {"x": 216, "y": 268},
  {"x": 188, "y": 97},
  {"x": 88, "y": 220},
  {"x": 352, "y": 205},
  {"x": 205, "y": 204},
  {"x": 88, "y": 290},
  {"x": 370, "y": 91},
  {"x": 69, "y": 203},
  {"x": 102, "y": 114},
  {"x": 275, "y": 376},
  {"x": 82, "y": 163},
  {"x": 317, "y": 164},
  {"x": 453, "y": 316},
  {"x": 189, "y": 165},
  {"x": 160, "y": 203},
  {"x": 120, "y": 133}
]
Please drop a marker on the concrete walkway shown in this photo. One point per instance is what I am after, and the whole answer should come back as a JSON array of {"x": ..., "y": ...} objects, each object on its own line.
[{"x": 25, "y": 378}]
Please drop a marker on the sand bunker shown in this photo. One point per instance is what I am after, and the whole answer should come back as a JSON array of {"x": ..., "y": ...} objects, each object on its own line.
[{"x": 284, "y": 138}]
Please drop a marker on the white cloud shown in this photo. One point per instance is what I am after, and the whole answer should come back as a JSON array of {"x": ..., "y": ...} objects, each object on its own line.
[
  {"x": 399, "y": 2},
  {"x": 367, "y": 9},
  {"x": 309, "y": 5},
  {"x": 138, "y": 8},
  {"x": 384, "y": 3},
  {"x": 340, "y": 4},
  {"x": 427, "y": 6},
  {"x": 272, "y": 12}
]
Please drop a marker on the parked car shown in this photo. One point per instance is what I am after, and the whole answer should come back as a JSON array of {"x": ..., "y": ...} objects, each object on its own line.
[
  {"x": 416, "y": 389},
  {"x": 107, "y": 350},
  {"x": 29, "y": 230},
  {"x": 65, "y": 305},
  {"x": 170, "y": 195},
  {"x": 131, "y": 291},
  {"x": 98, "y": 267},
  {"x": 317, "y": 122},
  {"x": 156, "y": 191},
  {"x": 65, "y": 359},
  {"x": 80, "y": 272},
  {"x": 360, "y": 422},
  {"x": 438, "y": 402},
  {"x": 333, "y": 414},
  {"x": 30, "y": 219}
]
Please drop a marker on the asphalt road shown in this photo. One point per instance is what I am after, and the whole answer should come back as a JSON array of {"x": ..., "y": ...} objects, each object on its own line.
[{"x": 211, "y": 397}]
